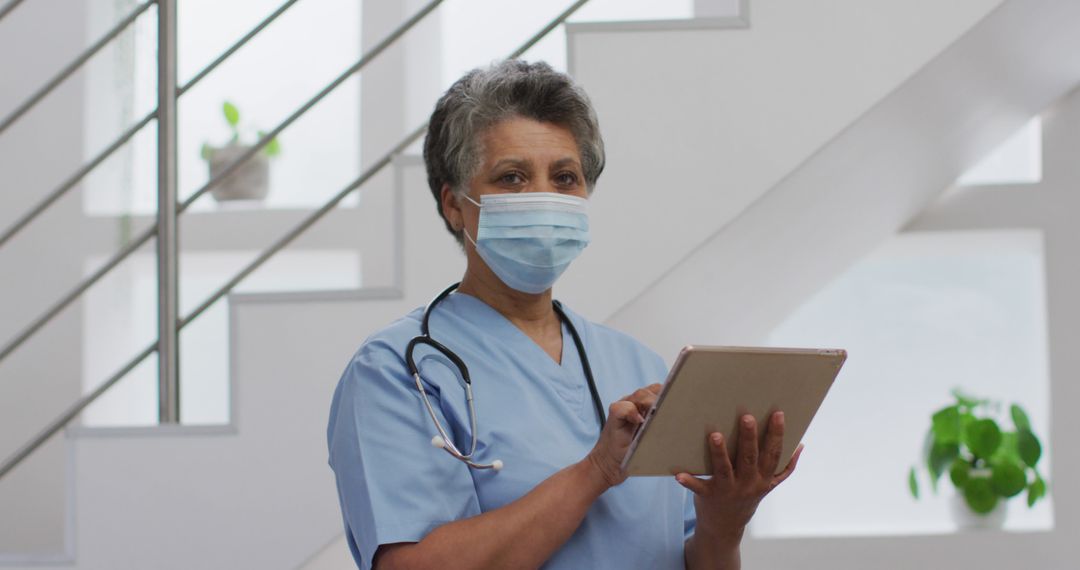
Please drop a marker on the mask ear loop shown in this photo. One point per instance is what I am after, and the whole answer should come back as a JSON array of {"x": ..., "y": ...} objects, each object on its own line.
[{"x": 465, "y": 231}]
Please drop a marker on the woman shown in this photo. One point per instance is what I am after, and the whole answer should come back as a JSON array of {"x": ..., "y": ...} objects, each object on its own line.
[{"x": 512, "y": 154}]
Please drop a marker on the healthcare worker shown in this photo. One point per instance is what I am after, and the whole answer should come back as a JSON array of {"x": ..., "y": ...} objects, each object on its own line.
[{"x": 487, "y": 429}]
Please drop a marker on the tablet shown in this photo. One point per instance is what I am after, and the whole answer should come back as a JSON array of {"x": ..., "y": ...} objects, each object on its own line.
[{"x": 711, "y": 387}]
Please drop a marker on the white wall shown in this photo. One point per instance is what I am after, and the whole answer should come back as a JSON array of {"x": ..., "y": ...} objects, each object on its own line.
[
  {"x": 36, "y": 154},
  {"x": 700, "y": 124}
]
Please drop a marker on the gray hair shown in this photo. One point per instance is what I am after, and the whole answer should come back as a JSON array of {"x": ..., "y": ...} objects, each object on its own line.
[{"x": 486, "y": 96}]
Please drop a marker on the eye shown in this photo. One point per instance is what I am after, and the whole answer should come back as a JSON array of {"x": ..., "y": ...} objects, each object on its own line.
[
  {"x": 512, "y": 178},
  {"x": 567, "y": 179}
]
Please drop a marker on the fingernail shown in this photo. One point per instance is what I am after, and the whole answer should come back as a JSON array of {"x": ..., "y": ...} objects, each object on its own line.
[
  {"x": 780, "y": 416},
  {"x": 747, "y": 420},
  {"x": 717, "y": 438}
]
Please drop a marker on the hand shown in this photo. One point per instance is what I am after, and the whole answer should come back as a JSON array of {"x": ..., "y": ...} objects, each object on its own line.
[
  {"x": 624, "y": 417},
  {"x": 726, "y": 502}
]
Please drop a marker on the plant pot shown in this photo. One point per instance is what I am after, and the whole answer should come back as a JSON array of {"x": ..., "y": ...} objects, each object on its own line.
[
  {"x": 250, "y": 181},
  {"x": 967, "y": 519}
]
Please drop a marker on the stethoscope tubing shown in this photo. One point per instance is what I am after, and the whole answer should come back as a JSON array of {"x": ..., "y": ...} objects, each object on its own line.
[{"x": 443, "y": 440}]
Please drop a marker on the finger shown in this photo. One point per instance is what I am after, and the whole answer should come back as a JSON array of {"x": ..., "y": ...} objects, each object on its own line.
[
  {"x": 643, "y": 398},
  {"x": 625, "y": 411},
  {"x": 747, "y": 452},
  {"x": 654, "y": 388},
  {"x": 790, "y": 467},
  {"x": 721, "y": 461},
  {"x": 693, "y": 484},
  {"x": 773, "y": 446}
]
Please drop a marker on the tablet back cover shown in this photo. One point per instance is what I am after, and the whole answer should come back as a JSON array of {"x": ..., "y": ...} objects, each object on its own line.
[{"x": 710, "y": 388}]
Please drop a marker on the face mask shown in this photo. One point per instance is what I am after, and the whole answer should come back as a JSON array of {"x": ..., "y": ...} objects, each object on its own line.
[{"x": 529, "y": 239}]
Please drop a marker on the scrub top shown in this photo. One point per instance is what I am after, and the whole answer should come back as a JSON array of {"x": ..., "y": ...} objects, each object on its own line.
[{"x": 534, "y": 414}]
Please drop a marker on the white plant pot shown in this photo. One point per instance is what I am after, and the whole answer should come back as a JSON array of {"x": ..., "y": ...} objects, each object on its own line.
[
  {"x": 967, "y": 519},
  {"x": 250, "y": 181}
]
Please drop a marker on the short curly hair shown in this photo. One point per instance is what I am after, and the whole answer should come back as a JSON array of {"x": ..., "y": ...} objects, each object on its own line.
[{"x": 486, "y": 96}]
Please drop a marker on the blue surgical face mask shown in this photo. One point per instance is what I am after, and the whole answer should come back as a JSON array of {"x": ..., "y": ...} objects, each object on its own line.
[{"x": 528, "y": 239}]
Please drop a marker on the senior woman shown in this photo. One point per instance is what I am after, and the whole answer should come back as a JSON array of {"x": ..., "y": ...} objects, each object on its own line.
[{"x": 529, "y": 474}]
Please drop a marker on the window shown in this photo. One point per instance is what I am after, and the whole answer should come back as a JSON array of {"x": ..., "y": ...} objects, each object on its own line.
[{"x": 925, "y": 313}]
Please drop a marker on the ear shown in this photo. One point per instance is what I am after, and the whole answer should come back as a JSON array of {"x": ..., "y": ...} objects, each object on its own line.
[{"x": 450, "y": 208}]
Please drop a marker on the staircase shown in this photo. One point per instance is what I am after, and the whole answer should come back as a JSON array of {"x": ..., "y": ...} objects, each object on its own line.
[{"x": 726, "y": 144}]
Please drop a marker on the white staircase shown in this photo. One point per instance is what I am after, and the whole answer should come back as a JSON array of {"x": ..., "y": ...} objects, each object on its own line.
[{"x": 806, "y": 139}]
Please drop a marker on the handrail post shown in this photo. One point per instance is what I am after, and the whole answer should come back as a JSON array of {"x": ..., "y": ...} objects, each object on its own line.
[{"x": 167, "y": 265}]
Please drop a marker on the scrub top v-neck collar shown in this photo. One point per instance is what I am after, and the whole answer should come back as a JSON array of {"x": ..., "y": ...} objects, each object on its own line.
[
  {"x": 567, "y": 377},
  {"x": 497, "y": 320}
]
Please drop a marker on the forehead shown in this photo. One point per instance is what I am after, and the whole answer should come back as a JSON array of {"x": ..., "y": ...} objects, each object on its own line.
[{"x": 528, "y": 139}]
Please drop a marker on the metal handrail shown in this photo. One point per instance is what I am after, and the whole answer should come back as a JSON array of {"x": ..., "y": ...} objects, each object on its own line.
[
  {"x": 73, "y": 66},
  {"x": 80, "y": 404},
  {"x": 341, "y": 78},
  {"x": 74, "y": 179},
  {"x": 237, "y": 45},
  {"x": 9, "y": 7},
  {"x": 168, "y": 242},
  {"x": 150, "y": 231}
]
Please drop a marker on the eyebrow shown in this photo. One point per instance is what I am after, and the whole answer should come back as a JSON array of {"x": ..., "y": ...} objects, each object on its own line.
[{"x": 523, "y": 163}]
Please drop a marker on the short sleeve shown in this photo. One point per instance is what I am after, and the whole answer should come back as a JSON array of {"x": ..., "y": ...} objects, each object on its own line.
[
  {"x": 392, "y": 485},
  {"x": 689, "y": 515}
]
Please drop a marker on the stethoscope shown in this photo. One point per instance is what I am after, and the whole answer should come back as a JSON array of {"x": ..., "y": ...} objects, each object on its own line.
[{"x": 442, "y": 440}]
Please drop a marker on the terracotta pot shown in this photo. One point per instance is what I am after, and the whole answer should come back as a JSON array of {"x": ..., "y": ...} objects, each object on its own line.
[{"x": 250, "y": 181}]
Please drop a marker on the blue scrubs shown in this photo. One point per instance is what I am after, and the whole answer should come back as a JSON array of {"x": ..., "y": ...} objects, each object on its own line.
[{"x": 534, "y": 414}]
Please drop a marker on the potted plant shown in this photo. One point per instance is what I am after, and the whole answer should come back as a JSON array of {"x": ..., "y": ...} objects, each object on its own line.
[
  {"x": 985, "y": 464},
  {"x": 251, "y": 180}
]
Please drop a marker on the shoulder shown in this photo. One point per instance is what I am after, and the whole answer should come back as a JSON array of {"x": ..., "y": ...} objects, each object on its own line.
[
  {"x": 376, "y": 369},
  {"x": 608, "y": 341},
  {"x": 390, "y": 341},
  {"x": 380, "y": 359}
]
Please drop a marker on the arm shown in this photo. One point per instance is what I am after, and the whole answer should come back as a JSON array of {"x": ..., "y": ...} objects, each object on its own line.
[
  {"x": 725, "y": 503},
  {"x": 526, "y": 532}
]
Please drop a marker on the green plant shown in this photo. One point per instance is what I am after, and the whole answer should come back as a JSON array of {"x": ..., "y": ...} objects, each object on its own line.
[
  {"x": 984, "y": 463},
  {"x": 232, "y": 117}
]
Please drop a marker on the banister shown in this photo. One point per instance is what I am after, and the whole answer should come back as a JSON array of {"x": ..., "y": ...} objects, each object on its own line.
[
  {"x": 81, "y": 173},
  {"x": 334, "y": 84},
  {"x": 7, "y": 8},
  {"x": 149, "y": 232},
  {"x": 73, "y": 66}
]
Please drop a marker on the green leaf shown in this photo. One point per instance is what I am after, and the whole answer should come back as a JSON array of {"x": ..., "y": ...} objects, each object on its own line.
[
  {"x": 1020, "y": 418},
  {"x": 272, "y": 148},
  {"x": 946, "y": 425},
  {"x": 965, "y": 401},
  {"x": 1008, "y": 479},
  {"x": 983, "y": 437},
  {"x": 207, "y": 152},
  {"x": 1028, "y": 447},
  {"x": 959, "y": 473},
  {"x": 1007, "y": 451},
  {"x": 979, "y": 495},
  {"x": 232, "y": 114},
  {"x": 941, "y": 456},
  {"x": 913, "y": 483},
  {"x": 1036, "y": 490}
]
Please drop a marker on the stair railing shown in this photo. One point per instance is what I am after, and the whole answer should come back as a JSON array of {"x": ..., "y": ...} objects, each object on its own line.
[
  {"x": 151, "y": 231},
  {"x": 81, "y": 173},
  {"x": 73, "y": 411}
]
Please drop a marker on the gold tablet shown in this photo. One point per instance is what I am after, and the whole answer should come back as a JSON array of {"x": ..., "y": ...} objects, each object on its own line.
[{"x": 711, "y": 387}]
